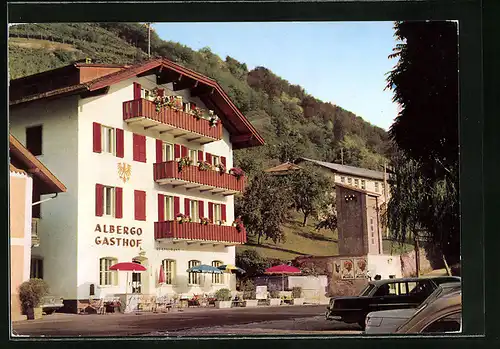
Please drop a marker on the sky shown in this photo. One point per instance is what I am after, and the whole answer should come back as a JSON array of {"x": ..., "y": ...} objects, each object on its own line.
[{"x": 344, "y": 63}]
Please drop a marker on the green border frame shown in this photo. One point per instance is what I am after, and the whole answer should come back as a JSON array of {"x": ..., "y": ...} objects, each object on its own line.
[{"x": 469, "y": 13}]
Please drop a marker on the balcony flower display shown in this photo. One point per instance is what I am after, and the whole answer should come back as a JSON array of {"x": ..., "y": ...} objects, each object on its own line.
[
  {"x": 238, "y": 224},
  {"x": 221, "y": 168},
  {"x": 182, "y": 218},
  {"x": 205, "y": 221},
  {"x": 221, "y": 222},
  {"x": 161, "y": 101},
  {"x": 204, "y": 166},
  {"x": 212, "y": 118},
  {"x": 197, "y": 113},
  {"x": 184, "y": 161},
  {"x": 237, "y": 172}
]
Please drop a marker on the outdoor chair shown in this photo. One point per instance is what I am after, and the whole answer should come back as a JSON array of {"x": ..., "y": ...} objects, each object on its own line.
[{"x": 98, "y": 305}]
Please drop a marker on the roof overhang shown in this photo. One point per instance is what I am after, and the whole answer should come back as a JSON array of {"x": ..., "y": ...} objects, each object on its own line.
[
  {"x": 242, "y": 132},
  {"x": 27, "y": 162}
]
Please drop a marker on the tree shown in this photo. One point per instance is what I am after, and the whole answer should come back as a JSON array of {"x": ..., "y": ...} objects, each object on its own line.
[
  {"x": 424, "y": 182},
  {"x": 252, "y": 262},
  {"x": 264, "y": 207},
  {"x": 311, "y": 191}
]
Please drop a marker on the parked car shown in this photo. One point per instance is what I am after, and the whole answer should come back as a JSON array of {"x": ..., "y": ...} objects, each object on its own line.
[
  {"x": 443, "y": 315},
  {"x": 384, "y": 295},
  {"x": 51, "y": 303},
  {"x": 388, "y": 321}
]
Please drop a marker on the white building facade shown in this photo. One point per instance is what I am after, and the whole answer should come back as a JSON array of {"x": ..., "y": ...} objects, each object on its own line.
[{"x": 118, "y": 154}]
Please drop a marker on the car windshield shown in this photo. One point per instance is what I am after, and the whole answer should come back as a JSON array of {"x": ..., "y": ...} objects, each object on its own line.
[{"x": 366, "y": 291}]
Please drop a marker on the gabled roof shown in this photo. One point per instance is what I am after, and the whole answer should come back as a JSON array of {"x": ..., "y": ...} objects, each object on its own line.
[
  {"x": 359, "y": 190},
  {"x": 243, "y": 134},
  {"x": 27, "y": 162},
  {"x": 350, "y": 170}
]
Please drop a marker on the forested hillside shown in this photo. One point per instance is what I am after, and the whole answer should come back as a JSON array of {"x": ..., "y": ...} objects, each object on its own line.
[{"x": 292, "y": 122}]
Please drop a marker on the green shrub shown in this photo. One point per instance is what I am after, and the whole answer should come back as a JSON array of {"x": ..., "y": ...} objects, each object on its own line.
[
  {"x": 31, "y": 293},
  {"x": 223, "y": 294},
  {"x": 297, "y": 292},
  {"x": 274, "y": 294}
]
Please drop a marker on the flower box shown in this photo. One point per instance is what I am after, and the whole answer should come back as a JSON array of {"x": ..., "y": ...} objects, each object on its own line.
[
  {"x": 298, "y": 301},
  {"x": 274, "y": 302},
  {"x": 223, "y": 304},
  {"x": 251, "y": 303}
]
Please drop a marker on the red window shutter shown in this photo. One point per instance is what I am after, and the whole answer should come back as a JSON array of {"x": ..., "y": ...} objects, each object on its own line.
[
  {"x": 176, "y": 206},
  {"x": 223, "y": 212},
  {"x": 140, "y": 205},
  {"x": 161, "y": 207},
  {"x": 137, "y": 90},
  {"x": 209, "y": 157},
  {"x": 139, "y": 148},
  {"x": 187, "y": 207},
  {"x": 201, "y": 209},
  {"x": 143, "y": 148},
  {"x": 223, "y": 160},
  {"x": 200, "y": 155},
  {"x": 99, "y": 200},
  {"x": 160, "y": 92},
  {"x": 184, "y": 150},
  {"x": 211, "y": 211},
  {"x": 119, "y": 143},
  {"x": 177, "y": 151},
  {"x": 118, "y": 202},
  {"x": 35, "y": 210},
  {"x": 97, "y": 137},
  {"x": 192, "y": 105},
  {"x": 159, "y": 151}
]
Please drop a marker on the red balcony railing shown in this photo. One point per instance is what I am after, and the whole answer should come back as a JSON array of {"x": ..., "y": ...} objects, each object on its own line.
[
  {"x": 145, "y": 109},
  {"x": 199, "y": 232},
  {"x": 210, "y": 180}
]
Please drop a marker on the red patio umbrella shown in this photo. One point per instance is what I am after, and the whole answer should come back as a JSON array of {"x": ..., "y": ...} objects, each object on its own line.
[
  {"x": 161, "y": 277},
  {"x": 127, "y": 266},
  {"x": 282, "y": 269}
]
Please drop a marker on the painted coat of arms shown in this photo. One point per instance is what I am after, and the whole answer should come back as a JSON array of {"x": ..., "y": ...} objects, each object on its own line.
[
  {"x": 347, "y": 271},
  {"x": 124, "y": 171}
]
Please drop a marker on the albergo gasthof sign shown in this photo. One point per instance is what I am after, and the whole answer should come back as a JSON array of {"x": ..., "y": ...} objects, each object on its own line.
[{"x": 115, "y": 240}]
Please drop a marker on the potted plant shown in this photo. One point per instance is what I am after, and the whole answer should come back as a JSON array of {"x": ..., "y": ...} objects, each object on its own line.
[
  {"x": 204, "y": 166},
  {"x": 297, "y": 296},
  {"x": 184, "y": 161},
  {"x": 221, "y": 168},
  {"x": 197, "y": 113},
  {"x": 182, "y": 218},
  {"x": 238, "y": 224},
  {"x": 275, "y": 298},
  {"x": 237, "y": 172},
  {"x": 31, "y": 293},
  {"x": 212, "y": 118},
  {"x": 223, "y": 298},
  {"x": 205, "y": 221}
]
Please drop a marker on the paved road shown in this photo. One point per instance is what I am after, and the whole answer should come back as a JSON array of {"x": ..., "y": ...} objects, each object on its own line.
[{"x": 190, "y": 322}]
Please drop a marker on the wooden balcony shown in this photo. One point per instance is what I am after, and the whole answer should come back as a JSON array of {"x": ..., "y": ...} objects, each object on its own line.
[
  {"x": 192, "y": 178},
  {"x": 35, "y": 238},
  {"x": 179, "y": 124},
  {"x": 190, "y": 233}
]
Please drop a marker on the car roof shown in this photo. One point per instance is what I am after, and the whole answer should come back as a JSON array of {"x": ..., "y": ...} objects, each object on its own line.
[
  {"x": 439, "y": 307},
  {"x": 413, "y": 279}
]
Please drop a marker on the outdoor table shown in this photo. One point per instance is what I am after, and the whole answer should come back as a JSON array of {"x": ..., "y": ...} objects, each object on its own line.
[{"x": 238, "y": 303}]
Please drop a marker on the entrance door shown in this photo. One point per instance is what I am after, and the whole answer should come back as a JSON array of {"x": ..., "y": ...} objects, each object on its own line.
[{"x": 136, "y": 280}]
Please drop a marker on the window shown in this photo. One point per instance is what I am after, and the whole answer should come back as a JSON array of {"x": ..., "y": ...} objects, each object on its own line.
[
  {"x": 36, "y": 269},
  {"x": 363, "y": 184},
  {"x": 169, "y": 208},
  {"x": 193, "y": 155},
  {"x": 146, "y": 94},
  {"x": 195, "y": 213},
  {"x": 34, "y": 140},
  {"x": 349, "y": 180},
  {"x": 403, "y": 289},
  {"x": 194, "y": 278},
  {"x": 107, "y": 277},
  {"x": 356, "y": 182},
  {"x": 217, "y": 278},
  {"x": 447, "y": 324},
  {"x": 419, "y": 288},
  {"x": 215, "y": 160},
  {"x": 342, "y": 179},
  {"x": 217, "y": 213},
  {"x": 108, "y": 139},
  {"x": 109, "y": 201},
  {"x": 169, "y": 270},
  {"x": 376, "y": 187},
  {"x": 168, "y": 152},
  {"x": 394, "y": 289}
]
